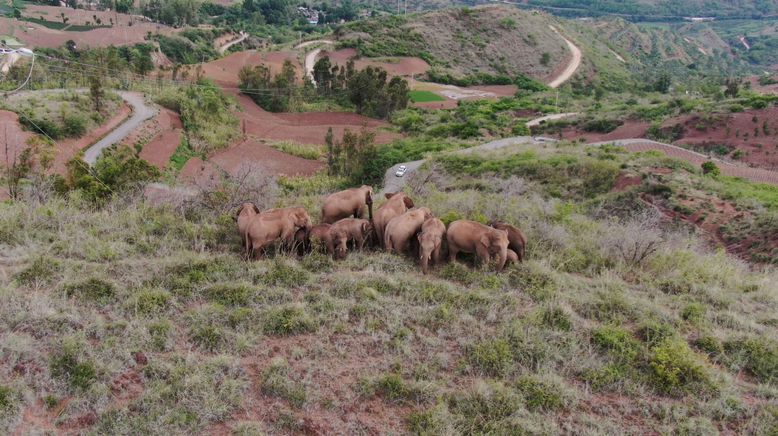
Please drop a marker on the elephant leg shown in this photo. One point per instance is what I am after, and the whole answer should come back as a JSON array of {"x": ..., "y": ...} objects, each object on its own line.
[
  {"x": 436, "y": 256},
  {"x": 483, "y": 254},
  {"x": 401, "y": 246},
  {"x": 452, "y": 253},
  {"x": 359, "y": 212}
]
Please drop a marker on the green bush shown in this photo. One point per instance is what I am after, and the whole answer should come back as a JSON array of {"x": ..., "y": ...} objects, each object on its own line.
[
  {"x": 41, "y": 271},
  {"x": 757, "y": 355},
  {"x": 288, "y": 320},
  {"x": 393, "y": 388},
  {"x": 487, "y": 410},
  {"x": 693, "y": 312},
  {"x": 492, "y": 357},
  {"x": 710, "y": 168},
  {"x": 93, "y": 289},
  {"x": 556, "y": 318},
  {"x": 540, "y": 394},
  {"x": 617, "y": 341},
  {"x": 66, "y": 365},
  {"x": 149, "y": 301},
  {"x": 74, "y": 125},
  {"x": 654, "y": 332},
  {"x": 208, "y": 337},
  {"x": 229, "y": 294},
  {"x": 8, "y": 398},
  {"x": 284, "y": 274},
  {"x": 277, "y": 382},
  {"x": 677, "y": 369}
]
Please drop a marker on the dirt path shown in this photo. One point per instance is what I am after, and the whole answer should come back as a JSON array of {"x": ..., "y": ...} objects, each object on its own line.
[
  {"x": 572, "y": 67},
  {"x": 140, "y": 113},
  {"x": 757, "y": 175},
  {"x": 552, "y": 117},
  {"x": 310, "y": 58},
  {"x": 225, "y": 47}
]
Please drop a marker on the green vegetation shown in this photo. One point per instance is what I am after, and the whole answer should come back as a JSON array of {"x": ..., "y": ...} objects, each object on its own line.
[{"x": 425, "y": 96}]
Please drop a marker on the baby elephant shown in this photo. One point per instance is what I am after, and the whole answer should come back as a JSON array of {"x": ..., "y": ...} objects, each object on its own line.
[
  {"x": 433, "y": 231},
  {"x": 320, "y": 236},
  {"x": 473, "y": 237},
  {"x": 347, "y": 230},
  {"x": 516, "y": 240}
]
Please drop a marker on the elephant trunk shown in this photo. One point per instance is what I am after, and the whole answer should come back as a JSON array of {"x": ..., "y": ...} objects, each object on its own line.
[
  {"x": 424, "y": 263},
  {"x": 502, "y": 258}
]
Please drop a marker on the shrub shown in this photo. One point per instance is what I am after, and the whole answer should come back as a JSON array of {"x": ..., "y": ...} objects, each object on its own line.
[
  {"x": 74, "y": 125},
  {"x": 758, "y": 355},
  {"x": 693, "y": 312},
  {"x": 556, "y": 318},
  {"x": 458, "y": 272},
  {"x": 540, "y": 394},
  {"x": 276, "y": 382},
  {"x": 208, "y": 337},
  {"x": 8, "y": 398},
  {"x": 677, "y": 369},
  {"x": 229, "y": 294},
  {"x": 288, "y": 320},
  {"x": 392, "y": 387},
  {"x": 492, "y": 356},
  {"x": 284, "y": 274},
  {"x": 66, "y": 365},
  {"x": 92, "y": 289},
  {"x": 710, "y": 168},
  {"x": 39, "y": 272},
  {"x": 159, "y": 332},
  {"x": 654, "y": 332},
  {"x": 617, "y": 341},
  {"x": 486, "y": 410},
  {"x": 150, "y": 301}
]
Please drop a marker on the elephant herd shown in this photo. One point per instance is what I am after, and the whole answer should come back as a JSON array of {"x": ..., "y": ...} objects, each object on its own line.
[{"x": 397, "y": 226}]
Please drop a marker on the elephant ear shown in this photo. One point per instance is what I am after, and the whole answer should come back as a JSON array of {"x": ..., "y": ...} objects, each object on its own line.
[
  {"x": 256, "y": 209},
  {"x": 485, "y": 240},
  {"x": 365, "y": 227},
  {"x": 389, "y": 195},
  {"x": 369, "y": 196},
  {"x": 408, "y": 202}
]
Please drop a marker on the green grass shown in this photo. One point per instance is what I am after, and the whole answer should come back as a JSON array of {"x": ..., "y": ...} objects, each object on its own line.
[{"x": 425, "y": 96}]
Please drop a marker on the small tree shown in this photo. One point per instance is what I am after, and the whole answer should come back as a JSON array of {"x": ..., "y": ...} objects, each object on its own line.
[
  {"x": 38, "y": 155},
  {"x": 96, "y": 91},
  {"x": 710, "y": 168}
]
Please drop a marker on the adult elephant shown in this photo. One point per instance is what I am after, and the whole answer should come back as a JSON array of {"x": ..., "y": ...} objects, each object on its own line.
[
  {"x": 274, "y": 224},
  {"x": 344, "y": 204},
  {"x": 356, "y": 230},
  {"x": 245, "y": 213},
  {"x": 473, "y": 237},
  {"x": 397, "y": 204},
  {"x": 516, "y": 240},
  {"x": 320, "y": 236},
  {"x": 431, "y": 237},
  {"x": 401, "y": 230}
]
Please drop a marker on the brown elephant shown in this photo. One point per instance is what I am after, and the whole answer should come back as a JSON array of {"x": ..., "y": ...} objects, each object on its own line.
[
  {"x": 320, "y": 236},
  {"x": 245, "y": 213},
  {"x": 397, "y": 204},
  {"x": 433, "y": 231},
  {"x": 512, "y": 257},
  {"x": 350, "y": 202},
  {"x": 473, "y": 237},
  {"x": 275, "y": 224},
  {"x": 401, "y": 230},
  {"x": 516, "y": 240},
  {"x": 356, "y": 230}
]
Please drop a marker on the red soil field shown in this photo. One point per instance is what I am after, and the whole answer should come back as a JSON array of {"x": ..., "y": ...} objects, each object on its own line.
[
  {"x": 167, "y": 137},
  {"x": 36, "y": 35},
  {"x": 744, "y": 131},
  {"x": 224, "y": 71},
  {"x": 13, "y": 133},
  {"x": 404, "y": 66}
]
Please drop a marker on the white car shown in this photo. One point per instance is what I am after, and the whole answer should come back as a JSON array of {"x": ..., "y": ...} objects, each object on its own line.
[{"x": 401, "y": 171}]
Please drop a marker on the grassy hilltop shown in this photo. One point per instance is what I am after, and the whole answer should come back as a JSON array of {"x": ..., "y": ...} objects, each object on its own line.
[{"x": 133, "y": 318}]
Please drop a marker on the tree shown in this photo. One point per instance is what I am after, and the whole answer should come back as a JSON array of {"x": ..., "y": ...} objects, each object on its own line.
[
  {"x": 332, "y": 158},
  {"x": 733, "y": 87},
  {"x": 323, "y": 75},
  {"x": 96, "y": 91},
  {"x": 20, "y": 165},
  {"x": 663, "y": 83},
  {"x": 351, "y": 156},
  {"x": 710, "y": 168}
]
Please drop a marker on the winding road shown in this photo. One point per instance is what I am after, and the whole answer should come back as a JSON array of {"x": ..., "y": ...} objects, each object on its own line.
[
  {"x": 572, "y": 67},
  {"x": 310, "y": 57},
  {"x": 140, "y": 113},
  {"x": 225, "y": 47}
]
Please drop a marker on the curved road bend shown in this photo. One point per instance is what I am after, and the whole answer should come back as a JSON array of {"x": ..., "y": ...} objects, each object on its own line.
[
  {"x": 572, "y": 67},
  {"x": 310, "y": 57},
  {"x": 140, "y": 113}
]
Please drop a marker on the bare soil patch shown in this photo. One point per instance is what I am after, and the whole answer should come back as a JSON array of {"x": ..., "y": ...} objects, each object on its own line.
[
  {"x": 224, "y": 71},
  {"x": 122, "y": 33},
  {"x": 754, "y": 133},
  {"x": 394, "y": 66},
  {"x": 161, "y": 136}
]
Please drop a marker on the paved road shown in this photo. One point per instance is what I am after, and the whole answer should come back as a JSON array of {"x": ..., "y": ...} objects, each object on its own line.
[
  {"x": 393, "y": 183},
  {"x": 572, "y": 67},
  {"x": 140, "y": 113}
]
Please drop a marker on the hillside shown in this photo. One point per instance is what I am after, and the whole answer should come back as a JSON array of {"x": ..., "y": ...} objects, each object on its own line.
[
  {"x": 493, "y": 40},
  {"x": 634, "y": 9},
  {"x": 132, "y": 318}
]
